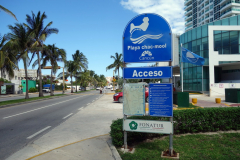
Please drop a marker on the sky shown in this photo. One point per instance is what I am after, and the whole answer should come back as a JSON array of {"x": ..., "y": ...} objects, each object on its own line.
[{"x": 95, "y": 27}]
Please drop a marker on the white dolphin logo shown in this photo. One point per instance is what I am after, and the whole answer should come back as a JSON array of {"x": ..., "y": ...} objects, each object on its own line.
[
  {"x": 142, "y": 27},
  {"x": 191, "y": 57}
]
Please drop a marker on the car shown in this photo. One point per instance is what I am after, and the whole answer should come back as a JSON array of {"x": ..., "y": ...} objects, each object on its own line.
[
  {"x": 98, "y": 88},
  {"x": 118, "y": 97}
]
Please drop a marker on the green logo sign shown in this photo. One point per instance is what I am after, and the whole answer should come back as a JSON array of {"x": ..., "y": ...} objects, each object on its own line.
[{"x": 133, "y": 125}]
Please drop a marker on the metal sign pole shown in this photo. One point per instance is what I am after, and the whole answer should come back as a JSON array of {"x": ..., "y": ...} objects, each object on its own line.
[
  {"x": 124, "y": 118},
  {"x": 171, "y": 120}
]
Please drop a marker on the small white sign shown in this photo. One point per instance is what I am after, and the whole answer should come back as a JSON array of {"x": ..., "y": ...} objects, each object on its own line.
[
  {"x": 221, "y": 85},
  {"x": 232, "y": 85},
  {"x": 149, "y": 126}
]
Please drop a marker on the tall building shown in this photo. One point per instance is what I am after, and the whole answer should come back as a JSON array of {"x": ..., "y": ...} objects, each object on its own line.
[{"x": 200, "y": 12}]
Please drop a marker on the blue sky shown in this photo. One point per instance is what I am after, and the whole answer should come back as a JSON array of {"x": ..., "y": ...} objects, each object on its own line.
[{"x": 94, "y": 27}]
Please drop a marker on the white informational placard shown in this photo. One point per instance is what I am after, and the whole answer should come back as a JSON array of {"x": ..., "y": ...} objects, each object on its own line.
[
  {"x": 135, "y": 125},
  {"x": 3, "y": 89},
  {"x": 134, "y": 99}
]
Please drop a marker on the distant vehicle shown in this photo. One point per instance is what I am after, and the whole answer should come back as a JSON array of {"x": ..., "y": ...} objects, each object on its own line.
[
  {"x": 119, "y": 96},
  {"x": 109, "y": 87},
  {"x": 46, "y": 88},
  {"x": 98, "y": 88}
]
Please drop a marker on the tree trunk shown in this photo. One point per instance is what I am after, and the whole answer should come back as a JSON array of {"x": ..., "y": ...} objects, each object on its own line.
[
  {"x": 51, "y": 91},
  {"x": 1, "y": 73},
  {"x": 76, "y": 83},
  {"x": 71, "y": 85},
  {"x": 26, "y": 76},
  {"x": 40, "y": 76}
]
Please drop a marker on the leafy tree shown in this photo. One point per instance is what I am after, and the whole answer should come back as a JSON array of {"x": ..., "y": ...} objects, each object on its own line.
[
  {"x": 7, "y": 11},
  {"x": 39, "y": 34},
  {"x": 53, "y": 55},
  {"x": 20, "y": 41},
  {"x": 80, "y": 59}
]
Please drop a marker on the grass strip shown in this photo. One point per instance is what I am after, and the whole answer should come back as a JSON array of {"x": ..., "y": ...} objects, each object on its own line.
[
  {"x": 199, "y": 146},
  {"x": 26, "y": 100}
]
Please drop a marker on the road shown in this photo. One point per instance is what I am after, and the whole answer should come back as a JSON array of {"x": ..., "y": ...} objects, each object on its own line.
[{"x": 23, "y": 124}]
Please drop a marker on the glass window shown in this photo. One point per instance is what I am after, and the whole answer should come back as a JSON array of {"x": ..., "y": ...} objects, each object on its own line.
[
  {"x": 226, "y": 50},
  {"x": 217, "y": 41},
  {"x": 198, "y": 48},
  {"x": 225, "y": 39},
  {"x": 233, "y": 37},
  {"x": 233, "y": 20},
  {"x": 189, "y": 36},
  {"x": 194, "y": 72},
  {"x": 205, "y": 30},
  {"x": 190, "y": 84},
  {"x": 194, "y": 34},
  {"x": 234, "y": 49},
  {"x": 199, "y": 32},
  {"x": 190, "y": 73},
  {"x": 189, "y": 46},
  {"x": 225, "y": 21},
  {"x": 194, "y": 46},
  {"x": 194, "y": 85},
  {"x": 182, "y": 39},
  {"x": 217, "y": 23},
  {"x": 199, "y": 72},
  {"x": 185, "y": 38},
  {"x": 205, "y": 54},
  {"x": 204, "y": 44}
]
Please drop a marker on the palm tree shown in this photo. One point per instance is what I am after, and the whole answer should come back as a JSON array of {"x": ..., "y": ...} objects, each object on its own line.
[
  {"x": 8, "y": 12},
  {"x": 53, "y": 55},
  {"x": 85, "y": 78},
  {"x": 20, "y": 41},
  {"x": 117, "y": 64},
  {"x": 82, "y": 62},
  {"x": 71, "y": 68},
  {"x": 39, "y": 33}
]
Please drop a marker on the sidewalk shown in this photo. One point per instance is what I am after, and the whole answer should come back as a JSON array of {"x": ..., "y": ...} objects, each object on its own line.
[
  {"x": 206, "y": 101},
  {"x": 83, "y": 136}
]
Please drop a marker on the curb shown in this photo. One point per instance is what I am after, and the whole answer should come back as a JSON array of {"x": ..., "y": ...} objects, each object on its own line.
[
  {"x": 114, "y": 151},
  {"x": 15, "y": 104}
]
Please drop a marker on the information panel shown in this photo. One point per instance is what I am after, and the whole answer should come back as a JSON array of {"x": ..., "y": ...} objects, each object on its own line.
[
  {"x": 134, "y": 99},
  {"x": 160, "y": 99}
]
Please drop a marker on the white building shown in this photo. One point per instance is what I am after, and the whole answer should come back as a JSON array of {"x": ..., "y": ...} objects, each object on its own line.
[{"x": 200, "y": 12}]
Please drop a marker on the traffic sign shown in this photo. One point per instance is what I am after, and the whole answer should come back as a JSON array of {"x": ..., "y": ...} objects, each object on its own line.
[
  {"x": 160, "y": 99},
  {"x": 147, "y": 72},
  {"x": 147, "y": 38}
]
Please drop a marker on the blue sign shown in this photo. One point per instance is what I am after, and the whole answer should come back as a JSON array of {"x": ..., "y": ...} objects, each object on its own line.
[
  {"x": 147, "y": 72},
  {"x": 160, "y": 99},
  {"x": 147, "y": 38}
]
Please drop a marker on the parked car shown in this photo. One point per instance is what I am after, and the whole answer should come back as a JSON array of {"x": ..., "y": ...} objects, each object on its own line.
[
  {"x": 98, "y": 88},
  {"x": 46, "y": 88},
  {"x": 119, "y": 96}
]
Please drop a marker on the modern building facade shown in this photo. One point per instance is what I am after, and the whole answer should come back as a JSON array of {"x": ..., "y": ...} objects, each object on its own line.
[
  {"x": 218, "y": 43},
  {"x": 200, "y": 12}
]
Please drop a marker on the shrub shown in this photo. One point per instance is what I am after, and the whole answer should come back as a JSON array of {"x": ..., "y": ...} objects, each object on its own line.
[
  {"x": 32, "y": 90},
  {"x": 118, "y": 90},
  {"x": 185, "y": 121}
]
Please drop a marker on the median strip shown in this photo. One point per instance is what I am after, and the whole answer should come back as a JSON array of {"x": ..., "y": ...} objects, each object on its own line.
[{"x": 38, "y": 132}]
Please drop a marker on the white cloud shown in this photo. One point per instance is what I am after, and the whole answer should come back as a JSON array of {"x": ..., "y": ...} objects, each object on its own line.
[{"x": 171, "y": 10}]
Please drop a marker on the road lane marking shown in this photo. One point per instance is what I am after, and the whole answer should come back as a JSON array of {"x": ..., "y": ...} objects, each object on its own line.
[
  {"x": 38, "y": 108},
  {"x": 88, "y": 103},
  {"x": 67, "y": 115},
  {"x": 38, "y": 132}
]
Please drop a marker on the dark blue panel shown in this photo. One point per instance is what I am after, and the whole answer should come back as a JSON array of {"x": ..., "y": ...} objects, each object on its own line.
[{"x": 160, "y": 99}]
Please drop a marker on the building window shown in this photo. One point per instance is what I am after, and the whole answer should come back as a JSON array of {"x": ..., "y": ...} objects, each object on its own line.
[{"x": 4, "y": 76}]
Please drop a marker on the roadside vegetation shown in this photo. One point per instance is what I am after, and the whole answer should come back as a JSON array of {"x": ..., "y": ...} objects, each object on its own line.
[{"x": 26, "y": 100}]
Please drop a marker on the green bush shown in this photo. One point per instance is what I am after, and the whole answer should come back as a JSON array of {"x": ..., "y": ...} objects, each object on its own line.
[
  {"x": 118, "y": 90},
  {"x": 185, "y": 121},
  {"x": 33, "y": 90}
]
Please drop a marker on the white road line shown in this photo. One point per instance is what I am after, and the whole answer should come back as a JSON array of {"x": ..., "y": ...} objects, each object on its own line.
[
  {"x": 67, "y": 115},
  {"x": 38, "y": 132},
  {"x": 88, "y": 103},
  {"x": 37, "y": 109}
]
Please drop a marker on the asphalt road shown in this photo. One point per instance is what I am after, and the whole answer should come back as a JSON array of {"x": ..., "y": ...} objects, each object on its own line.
[{"x": 23, "y": 124}]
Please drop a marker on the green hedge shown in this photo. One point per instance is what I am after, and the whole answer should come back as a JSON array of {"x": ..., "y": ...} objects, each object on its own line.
[
  {"x": 33, "y": 89},
  {"x": 185, "y": 121}
]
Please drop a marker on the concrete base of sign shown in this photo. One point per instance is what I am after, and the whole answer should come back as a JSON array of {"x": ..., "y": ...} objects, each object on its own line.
[
  {"x": 166, "y": 155},
  {"x": 128, "y": 150}
]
